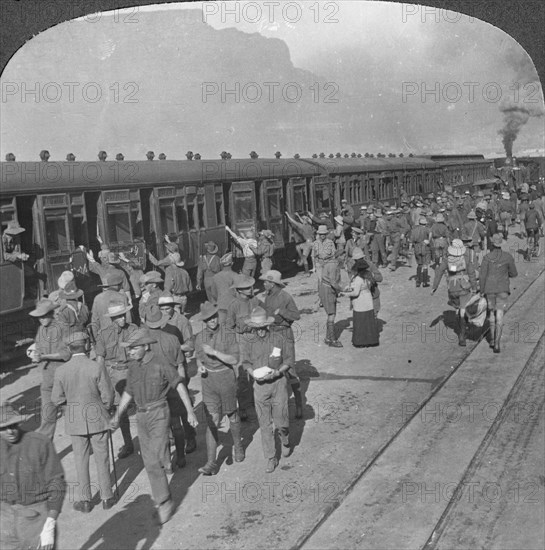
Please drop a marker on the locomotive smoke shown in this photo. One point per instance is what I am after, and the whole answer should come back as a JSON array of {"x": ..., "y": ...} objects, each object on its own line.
[{"x": 517, "y": 113}]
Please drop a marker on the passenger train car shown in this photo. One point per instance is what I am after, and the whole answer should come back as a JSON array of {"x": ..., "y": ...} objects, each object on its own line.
[{"x": 130, "y": 206}]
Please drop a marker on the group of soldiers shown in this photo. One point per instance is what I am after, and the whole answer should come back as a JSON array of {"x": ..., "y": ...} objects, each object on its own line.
[{"x": 129, "y": 352}]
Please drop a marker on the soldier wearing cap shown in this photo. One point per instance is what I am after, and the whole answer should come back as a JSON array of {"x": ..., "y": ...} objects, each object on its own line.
[
  {"x": 237, "y": 312},
  {"x": 11, "y": 242},
  {"x": 496, "y": 270},
  {"x": 217, "y": 357},
  {"x": 281, "y": 306},
  {"x": 506, "y": 211},
  {"x": 177, "y": 279},
  {"x": 439, "y": 238},
  {"x": 51, "y": 352},
  {"x": 222, "y": 287},
  {"x": 323, "y": 251},
  {"x": 167, "y": 346},
  {"x": 475, "y": 229},
  {"x": 421, "y": 238},
  {"x": 248, "y": 244},
  {"x": 209, "y": 265},
  {"x": 151, "y": 292},
  {"x": 268, "y": 349},
  {"x": 113, "y": 356},
  {"x": 85, "y": 388},
  {"x": 73, "y": 314},
  {"x": 148, "y": 382},
  {"x": 265, "y": 249},
  {"x": 111, "y": 292},
  {"x": 461, "y": 282},
  {"x": 304, "y": 237},
  {"x": 32, "y": 485},
  {"x": 110, "y": 264}
]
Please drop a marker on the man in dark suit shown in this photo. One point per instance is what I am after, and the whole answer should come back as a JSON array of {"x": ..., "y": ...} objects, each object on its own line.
[{"x": 84, "y": 386}]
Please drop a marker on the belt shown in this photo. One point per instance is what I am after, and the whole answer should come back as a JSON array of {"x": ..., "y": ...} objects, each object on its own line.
[
  {"x": 117, "y": 366},
  {"x": 152, "y": 406}
]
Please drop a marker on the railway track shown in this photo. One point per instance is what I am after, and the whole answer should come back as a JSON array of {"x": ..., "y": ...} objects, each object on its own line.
[{"x": 324, "y": 523}]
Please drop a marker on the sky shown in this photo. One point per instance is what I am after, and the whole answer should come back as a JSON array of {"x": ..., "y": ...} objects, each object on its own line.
[{"x": 348, "y": 77}]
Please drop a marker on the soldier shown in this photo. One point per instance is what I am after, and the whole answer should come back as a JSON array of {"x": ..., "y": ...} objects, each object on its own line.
[
  {"x": 84, "y": 386},
  {"x": 476, "y": 232},
  {"x": 11, "y": 242},
  {"x": 167, "y": 347},
  {"x": 421, "y": 237},
  {"x": 72, "y": 314},
  {"x": 150, "y": 295},
  {"x": 111, "y": 355},
  {"x": 398, "y": 229},
  {"x": 177, "y": 280},
  {"x": 281, "y": 306},
  {"x": 222, "y": 287},
  {"x": 148, "y": 381},
  {"x": 439, "y": 239},
  {"x": 217, "y": 356},
  {"x": 111, "y": 292},
  {"x": 323, "y": 251},
  {"x": 110, "y": 264},
  {"x": 267, "y": 349},
  {"x": 505, "y": 209},
  {"x": 265, "y": 249},
  {"x": 32, "y": 485},
  {"x": 304, "y": 235},
  {"x": 461, "y": 282},
  {"x": 329, "y": 288},
  {"x": 496, "y": 270},
  {"x": 209, "y": 265},
  {"x": 378, "y": 245},
  {"x": 238, "y": 311},
  {"x": 249, "y": 250},
  {"x": 532, "y": 224},
  {"x": 51, "y": 352},
  {"x": 347, "y": 212}
]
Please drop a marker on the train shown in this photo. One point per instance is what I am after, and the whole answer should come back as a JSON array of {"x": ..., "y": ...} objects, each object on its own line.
[{"x": 132, "y": 205}]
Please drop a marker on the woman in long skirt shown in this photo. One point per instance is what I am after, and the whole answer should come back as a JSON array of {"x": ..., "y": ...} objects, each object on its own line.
[{"x": 365, "y": 332}]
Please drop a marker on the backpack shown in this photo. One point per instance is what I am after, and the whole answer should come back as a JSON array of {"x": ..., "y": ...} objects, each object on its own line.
[{"x": 458, "y": 279}]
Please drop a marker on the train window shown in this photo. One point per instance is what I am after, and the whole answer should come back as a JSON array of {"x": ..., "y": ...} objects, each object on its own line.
[
  {"x": 299, "y": 199},
  {"x": 273, "y": 203},
  {"x": 166, "y": 215},
  {"x": 56, "y": 231},
  {"x": 322, "y": 197},
  {"x": 181, "y": 217},
  {"x": 136, "y": 221},
  {"x": 244, "y": 205},
  {"x": 192, "y": 219},
  {"x": 78, "y": 225},
  {"x": 119, "y": 225},
  {"x": 200, "y": 211}
]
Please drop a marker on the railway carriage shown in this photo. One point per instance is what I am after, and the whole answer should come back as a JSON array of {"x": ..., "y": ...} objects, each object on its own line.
[{"x": 130, "y": 206}]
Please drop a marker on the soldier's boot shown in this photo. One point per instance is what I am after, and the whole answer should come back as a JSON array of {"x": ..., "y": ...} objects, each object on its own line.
[
  {"x": 298, "y": 396},
  {"x": 497, "y": 338},
  {"x": 333, "y": 342},
  {"x": 418, "y": 276},
  {"x": 211, "y": 466},
  {"x": 462, "y": 333},
  {"x": 329, "y": 333},
  {"x": 128, "y": 447},
  {"x": 425, "y": 278},
  {"x": 491, "y": 338},
  {"x": 179, "y": 443},
  {"x": 236, "y": 434}
]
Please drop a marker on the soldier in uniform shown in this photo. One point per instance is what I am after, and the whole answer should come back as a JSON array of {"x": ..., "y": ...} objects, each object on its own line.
[
  {"x": 265, "y": 249},
  {"x": 111, "y": 292},
  {"x": 506, "y": 210},
  {"x": 328, "y": 289},
  {"x": 268, "y": 349},
  {"x": 217, "y": 357},
  {"x": 11, "y": 242},
  {"x": 110, "y": 264},
  {"x": 177, "y": 280},
  {"x": 304, "y": 235},
  {"x": 222, "y": 287},
  {"x": 421, "y": 237},
  {"x": 110, "y": 354},
  {"x": 32, "y": 485},
  {"x": 378, "y": 245},
  {"x": 496, "y": 270},
  {"x": 323, "y": 250},
  {"x": 51, "y": 352},
  {"x": 281, "y": 306},
  {"x": 84, "y": 386},
  {"x": 248, "y": 244},
  {"x": 439, "y": 237},
  {"x": 209, "y": 265},
  {"x": 148, "y": 382},
  {"x": 476, "y": 231},
  {"x": 150, "y": 295},
  {"x": 72, "y": 314},
  {"x": 238, "y": 311},
  {"x": 461, "y": 282}
]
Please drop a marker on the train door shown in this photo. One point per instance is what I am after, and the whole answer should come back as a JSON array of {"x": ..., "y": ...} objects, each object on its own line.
[
  {"x": 12, "y": 289},
  {"x": 243, "y": 206},
  {"x": 272, "y": 208},
  {"x": 297, "y": 195},
  {"x": 323, "y": 195},
  {"x": 55, "y": 237}
]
